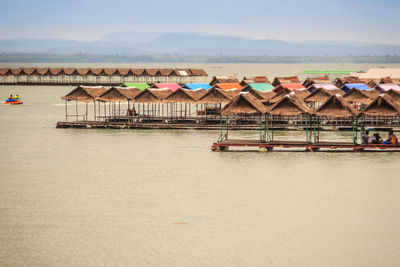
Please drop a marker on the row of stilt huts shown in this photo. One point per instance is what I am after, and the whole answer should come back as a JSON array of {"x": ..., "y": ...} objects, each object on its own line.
[
  {"x": 284, "y": 103},
  {"x": 96, "y": 76}
]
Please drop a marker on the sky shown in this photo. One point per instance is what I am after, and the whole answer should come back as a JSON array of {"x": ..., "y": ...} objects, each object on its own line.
[{"x": 372, "y": 21}]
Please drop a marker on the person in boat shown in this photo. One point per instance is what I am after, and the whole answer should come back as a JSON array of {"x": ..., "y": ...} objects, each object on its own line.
[
  {"x": 16, "y": 98},
  {"x": 365, "y": 137},
  {"x": 377, "y": 139},
  {"x": 392, "y": 139}
]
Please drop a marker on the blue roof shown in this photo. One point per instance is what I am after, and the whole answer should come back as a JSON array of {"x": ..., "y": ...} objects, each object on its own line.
[
  {"x": 360, "y": 86},
  {"x": 194, "y": 86}
]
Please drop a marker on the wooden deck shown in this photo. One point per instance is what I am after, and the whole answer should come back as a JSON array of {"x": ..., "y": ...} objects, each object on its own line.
[
  {"x": 209, "y": 125},
  {"x": 312, "y": 147}
]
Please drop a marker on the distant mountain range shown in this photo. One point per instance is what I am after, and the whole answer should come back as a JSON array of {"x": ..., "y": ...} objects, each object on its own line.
[{"x": 189, "y": 44}]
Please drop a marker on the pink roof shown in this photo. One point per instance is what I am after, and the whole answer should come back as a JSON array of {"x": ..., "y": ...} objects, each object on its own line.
[{"x": 172, "y": 86}]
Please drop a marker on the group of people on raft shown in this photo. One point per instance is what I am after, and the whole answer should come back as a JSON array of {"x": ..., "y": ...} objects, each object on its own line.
[
  {"x": 13, "y": 99},
  {"x": 377, "y": 139}
]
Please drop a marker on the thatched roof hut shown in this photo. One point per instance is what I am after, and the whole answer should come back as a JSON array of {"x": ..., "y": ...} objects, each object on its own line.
[
  {"x": 300, "y": 93},
  {"x": 196, "y": 94},
  {"x": 257, "y": 79},
  {"x": 383, "y": 105},
  {"x": 180, "y": 96},
  {"x": 223, "y": 79},
  {"x": 283, "y": 80},
  {"x": 321, "y": 95},
  {"x": 119, "y": 94},
  {"x": 357, "y": 96},
  {"x": 85, "y": 93},
  {"x": 261, "y": 95},
  {"x": 290, "y": 105},
  {"x": 373, "y": 93},
  {"x": 217, "y": 96},
  {"x": 198, "y": 72},
  {"x": 336, "y": 107},
  {"x": 151, "y": 95},
  {"x": 244, "y": 104}
]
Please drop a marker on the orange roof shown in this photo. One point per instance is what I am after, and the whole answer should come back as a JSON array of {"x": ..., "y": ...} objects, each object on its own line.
[{"x": 227, "y": 86}]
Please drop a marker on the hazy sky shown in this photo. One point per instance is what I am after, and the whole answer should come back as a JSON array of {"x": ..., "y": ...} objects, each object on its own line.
[{"x": 355, "y": 20}]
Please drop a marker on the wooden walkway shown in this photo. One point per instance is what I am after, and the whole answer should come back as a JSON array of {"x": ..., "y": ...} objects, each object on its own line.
[
  {"x": 211, "y": 125},
  {"x": 312, "y": 147}
]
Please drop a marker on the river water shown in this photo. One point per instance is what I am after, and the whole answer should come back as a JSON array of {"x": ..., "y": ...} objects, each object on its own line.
[{"x": 88, "y": 197}]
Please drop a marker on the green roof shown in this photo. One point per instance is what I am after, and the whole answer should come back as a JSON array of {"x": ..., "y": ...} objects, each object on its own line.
[
  {"x": 263, "y": 87},
  {"x": 329, "y": 71},
  {"x": 141, "y": 86}
]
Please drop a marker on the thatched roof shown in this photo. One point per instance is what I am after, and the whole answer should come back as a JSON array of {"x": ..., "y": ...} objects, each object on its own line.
[
  {"x": 196, "y": 94},
  {"x": 223, "y": 79},
  {"x": 15, "y": 71},
  {"x": 373, "y": 93},
  {"x": 282, "y": 80},
  {"x": 386, "y": 80},
  {"x": 245, "y": 104},
  {"x": 119, "y": 94},
  {"x": 179, "y": 96},
  {"x": 3, "y": 71},
  {"x": 151, "y": 95},
  {"x": 166, "y": 72},
  {"x": 290, "y": 105},
  {"x": 198, "y": 72},
  {"x": 321, "y": 95},
  {"x": 104, "y": 71},
  {"x": 85, "y": 93},
  {"x": 256, "y": 79},
  {"x": 215, "y": 96},
  {"x": 300, "y": 93},
  {"x": 261, "y": 95},
  {"x": 394, "y": 94},
  {"x": 356, "y": 96},
  {"x": 383, "y": 105},
  {"x": 336, "y": 107},
  {"x": 319, "y": 80}
]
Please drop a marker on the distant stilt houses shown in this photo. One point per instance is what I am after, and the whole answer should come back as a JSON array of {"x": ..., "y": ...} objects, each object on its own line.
[{"x": 98, "y": 76}]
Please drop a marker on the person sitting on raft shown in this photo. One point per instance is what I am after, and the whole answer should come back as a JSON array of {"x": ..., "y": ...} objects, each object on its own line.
[
  {"x": 377, "y": 139},
  {"x": 368, "y": 139},
  {"x": 392, "y": 139},
  {"x": 16, "y": 98}
]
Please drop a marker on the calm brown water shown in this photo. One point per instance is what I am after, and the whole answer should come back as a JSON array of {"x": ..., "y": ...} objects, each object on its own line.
[{"x": 71, "y": 197}]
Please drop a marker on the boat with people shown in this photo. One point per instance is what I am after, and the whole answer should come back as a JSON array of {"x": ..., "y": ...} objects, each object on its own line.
[{"x": 16, "y": 100}]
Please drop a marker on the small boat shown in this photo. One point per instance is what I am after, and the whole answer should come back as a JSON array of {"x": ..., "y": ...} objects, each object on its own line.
[{"x": 14, "y": 101}]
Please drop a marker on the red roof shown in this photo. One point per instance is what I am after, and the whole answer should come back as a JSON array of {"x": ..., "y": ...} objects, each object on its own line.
[{"x": 293, "y": 86}]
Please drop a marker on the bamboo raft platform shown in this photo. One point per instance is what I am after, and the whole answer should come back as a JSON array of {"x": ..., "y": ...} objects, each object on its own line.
[{"x": 311, "y": 147}]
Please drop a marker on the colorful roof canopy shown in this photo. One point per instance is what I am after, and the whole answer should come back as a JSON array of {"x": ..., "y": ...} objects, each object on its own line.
[
  {"x": 194, "y": 86},
  {"x": 263, "y": 87}
]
